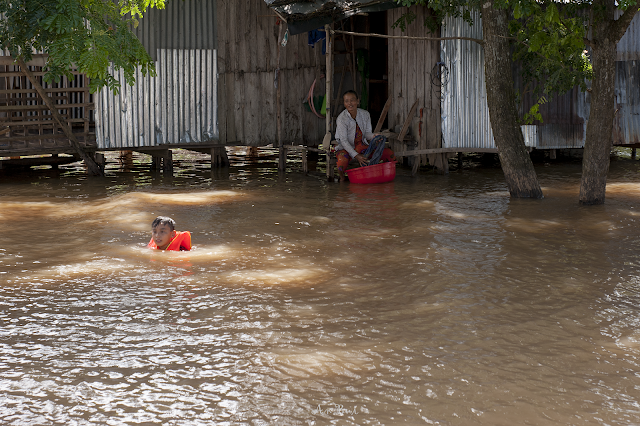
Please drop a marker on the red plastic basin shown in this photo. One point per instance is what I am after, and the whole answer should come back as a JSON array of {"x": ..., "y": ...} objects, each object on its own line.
[{"x": 378, "y": 173}]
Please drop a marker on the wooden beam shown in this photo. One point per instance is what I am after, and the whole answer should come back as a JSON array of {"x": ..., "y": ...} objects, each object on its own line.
[
  {"x": 383, "y": 115},
  {"x": 37, "y": 60},
  {"x": 407, "y": 122},
  {"x": 444, "y": 150}
]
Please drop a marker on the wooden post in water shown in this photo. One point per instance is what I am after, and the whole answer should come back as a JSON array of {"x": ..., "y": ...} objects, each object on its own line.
[
  {"x": 219, "y": 157},
  {"x": 328, "y": 94},
  {"x": 305, "y": 163},
  {"x": 167, "y": 162},
  {"x": 100, "y": 160},
  {"x": 156, "y": 162},
  {"x": 282, "y": 155}
]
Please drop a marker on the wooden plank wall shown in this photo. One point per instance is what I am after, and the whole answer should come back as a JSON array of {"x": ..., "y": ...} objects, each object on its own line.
[
  {"x": 247, "y": 40},
  {"x": 411, "y": 63}
]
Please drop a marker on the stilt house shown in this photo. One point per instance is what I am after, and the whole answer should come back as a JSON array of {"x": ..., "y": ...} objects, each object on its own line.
[{"x": 248, "y": 73}]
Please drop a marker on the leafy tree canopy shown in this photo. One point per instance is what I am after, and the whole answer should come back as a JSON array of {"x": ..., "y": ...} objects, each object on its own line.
[{"x": 90, "y": 35}]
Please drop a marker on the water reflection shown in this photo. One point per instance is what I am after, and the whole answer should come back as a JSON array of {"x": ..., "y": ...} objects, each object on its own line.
[{"x": 434, "y": 300}]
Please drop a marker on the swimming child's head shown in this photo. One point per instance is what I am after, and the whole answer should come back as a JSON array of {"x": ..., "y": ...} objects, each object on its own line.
[{"x": 163, "y": 231}]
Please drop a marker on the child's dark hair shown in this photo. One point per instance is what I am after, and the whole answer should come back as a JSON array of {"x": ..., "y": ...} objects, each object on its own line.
[
  {"x": 164, "y": 220},
  {"x": 352, "y": 92}
]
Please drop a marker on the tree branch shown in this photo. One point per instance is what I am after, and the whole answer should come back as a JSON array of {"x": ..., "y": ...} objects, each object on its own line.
[{"x": 619, "y": 27}]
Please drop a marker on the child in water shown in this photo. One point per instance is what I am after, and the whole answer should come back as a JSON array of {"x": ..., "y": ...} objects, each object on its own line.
[{"x": 165, "y": 237}]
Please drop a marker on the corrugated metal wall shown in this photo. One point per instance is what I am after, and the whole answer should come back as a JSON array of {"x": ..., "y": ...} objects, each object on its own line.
[
  {"x": 181, "y": 25},
  {"x": 412, "y": 64},
  {"x": 629, "y": 45},
  {"x": 465, "y": 115},
  {"x": 176, "y": 106},
  {"x": 216, "y": 63},
  {"x": 179, "y": 105},
  {"x": 564, "y": 117},
  {"x": 247, "y": 37},
  {"x": 626, "y": 124}
]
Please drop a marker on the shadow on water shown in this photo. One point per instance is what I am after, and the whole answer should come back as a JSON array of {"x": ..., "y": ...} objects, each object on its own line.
[{"x": 428, "y": 300}]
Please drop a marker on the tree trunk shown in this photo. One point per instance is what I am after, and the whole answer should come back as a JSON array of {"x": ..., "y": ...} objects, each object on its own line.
[
  {"x": 515, "y": 160},
  {"x": 597, "y": 145}
]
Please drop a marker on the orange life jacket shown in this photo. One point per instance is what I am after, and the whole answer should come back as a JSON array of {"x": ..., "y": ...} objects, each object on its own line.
[{"x": 182, "y": 241}]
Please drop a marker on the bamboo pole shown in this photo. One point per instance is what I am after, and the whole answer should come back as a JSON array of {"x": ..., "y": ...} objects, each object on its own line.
[
  {"x": 353, "y": 33},
  {"x": 328, "y": 94},
  {"x": 282, "y": 155},
  {"x": 92, "y": 166}
]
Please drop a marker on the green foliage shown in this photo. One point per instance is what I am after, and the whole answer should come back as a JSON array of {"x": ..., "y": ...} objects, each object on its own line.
[
  {"x": 441, "y": 8},
  {"x": 90, "y": 35},
  {"x": 551, "y": 48}
]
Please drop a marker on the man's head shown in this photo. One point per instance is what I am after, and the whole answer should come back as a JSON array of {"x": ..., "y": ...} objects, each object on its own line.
[{"x": 163, "y": 231}]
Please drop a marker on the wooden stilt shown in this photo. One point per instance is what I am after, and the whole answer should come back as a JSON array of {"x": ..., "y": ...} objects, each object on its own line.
[
  {"x": 100, "y": 160},
  {"x": 156, "y": 162},
  {"x": 126, "y": 159},
  {"x": 552, "y": 154},
  {"x": 633, "y": 153},
  {"x": 282, "y": 158},
  {"x": 459, "y": 161},
  {"x": 167, "y": 162},
  {"x": 416, "y": 165},
  {"x": 444, "y": 164},
  {"x": 282, "y": 154},
  {"x": 305, "y": 164},
  {"x": 219, "y": 157},
  {"x": 328, "y": 94}
]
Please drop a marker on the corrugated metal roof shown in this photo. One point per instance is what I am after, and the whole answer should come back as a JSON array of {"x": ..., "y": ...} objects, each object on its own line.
[{"x": 307, "y": 15}]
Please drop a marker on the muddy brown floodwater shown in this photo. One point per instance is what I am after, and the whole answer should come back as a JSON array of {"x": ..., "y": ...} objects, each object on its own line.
[{"x": 429, "y": 300}]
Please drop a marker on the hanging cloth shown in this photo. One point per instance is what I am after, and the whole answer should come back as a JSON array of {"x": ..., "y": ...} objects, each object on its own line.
[{"x": 375, "y": 148}]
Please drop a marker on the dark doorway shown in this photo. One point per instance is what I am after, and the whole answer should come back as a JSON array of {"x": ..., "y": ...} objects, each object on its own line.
[{"x": 378, "y": 66}]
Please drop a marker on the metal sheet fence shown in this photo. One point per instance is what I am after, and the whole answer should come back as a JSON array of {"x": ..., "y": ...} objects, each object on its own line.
[
  {"x": 465, "y": 115},
  {"x": 179, "y": 105}
]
